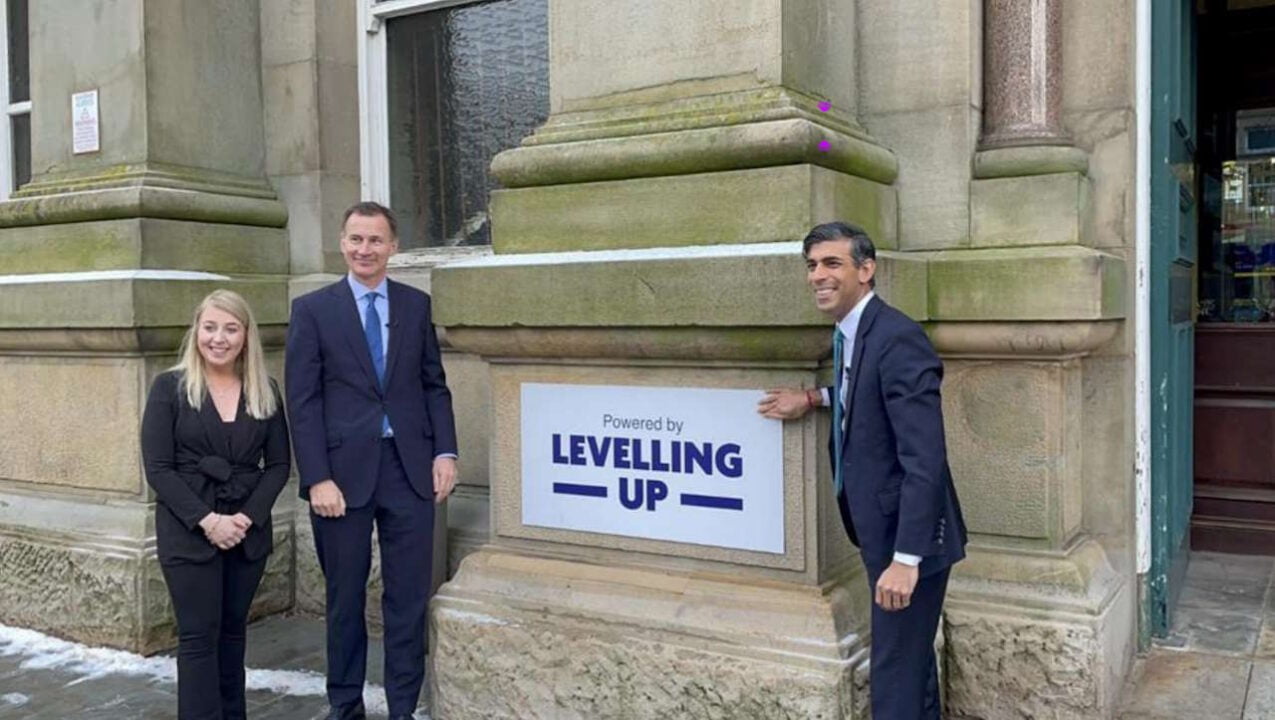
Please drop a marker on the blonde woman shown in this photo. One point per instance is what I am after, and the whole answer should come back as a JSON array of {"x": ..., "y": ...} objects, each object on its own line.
[{"x": 215, "y": 447}]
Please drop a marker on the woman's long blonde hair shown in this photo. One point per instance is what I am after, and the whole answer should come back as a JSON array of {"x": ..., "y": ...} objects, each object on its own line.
[{"x": 259, "y": 397}]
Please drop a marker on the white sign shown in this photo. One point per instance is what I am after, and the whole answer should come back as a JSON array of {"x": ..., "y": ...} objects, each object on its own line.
[
  {"x": 84, "y": 130},
  {"x": 688, "y": 465}
]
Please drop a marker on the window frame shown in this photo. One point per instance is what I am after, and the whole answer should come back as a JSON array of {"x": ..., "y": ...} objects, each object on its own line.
[
  {"x": 374, "y": 128},
  {"x": 374, "y": 120},
  {"x": 11, "y": 110}
]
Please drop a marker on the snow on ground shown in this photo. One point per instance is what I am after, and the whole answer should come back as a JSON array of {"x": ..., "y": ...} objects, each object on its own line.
[
  {"x": 13, "y": 699},
  {"x": 43, "y": 652}
]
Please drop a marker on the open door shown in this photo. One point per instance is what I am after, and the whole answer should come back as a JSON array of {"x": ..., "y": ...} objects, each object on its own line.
[{"x": 1172, "y": 285}]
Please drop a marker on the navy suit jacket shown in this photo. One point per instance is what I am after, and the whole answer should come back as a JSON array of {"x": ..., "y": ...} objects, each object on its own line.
[
  {"x": 898, "y": 493},
  {"x": 335, "y": 402}
]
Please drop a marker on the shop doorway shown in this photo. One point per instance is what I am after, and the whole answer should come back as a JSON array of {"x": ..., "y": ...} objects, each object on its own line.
[{"x": 1234, "y": 385}]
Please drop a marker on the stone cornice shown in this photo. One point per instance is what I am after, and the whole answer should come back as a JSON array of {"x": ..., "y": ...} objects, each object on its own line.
[
  {"x": 1045, "y": 340},
  {"x": 705, "y": 133},
  {"x": 750, "y": 302},
  {"x": 145, "y": 190},
  {"x": 749, "y": 145},
  {"x": 126, "y": 301}
]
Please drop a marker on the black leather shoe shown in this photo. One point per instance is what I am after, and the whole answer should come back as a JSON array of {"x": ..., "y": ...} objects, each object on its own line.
[
  {"x": 402, "y": 717},
  {"x": 348, "y": 712}
]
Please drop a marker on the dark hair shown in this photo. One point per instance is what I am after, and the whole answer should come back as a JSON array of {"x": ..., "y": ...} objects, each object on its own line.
[
  {"x": 861, "y": 247},
  {"x": 368, "y": 208}
]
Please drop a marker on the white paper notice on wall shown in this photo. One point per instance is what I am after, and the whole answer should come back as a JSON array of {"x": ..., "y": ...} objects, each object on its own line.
[
  {"x": 85, "y": 137},
  {"x": 691, "y": 465}
]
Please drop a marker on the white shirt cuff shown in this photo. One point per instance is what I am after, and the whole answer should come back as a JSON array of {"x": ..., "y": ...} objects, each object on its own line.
[
  {"x": 825, "y": 394},
  {"x": 446, "y": 455},
  {"x": 906, "y": 559}
]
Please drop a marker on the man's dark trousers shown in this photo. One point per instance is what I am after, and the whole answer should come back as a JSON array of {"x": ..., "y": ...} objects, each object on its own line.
[
  {"x": 405, "y": 530},
  {"x": 899, "y": 638}
]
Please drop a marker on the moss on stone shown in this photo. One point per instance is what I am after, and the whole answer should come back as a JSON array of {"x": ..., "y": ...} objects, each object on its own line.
[{"x": 741, "y": 206}]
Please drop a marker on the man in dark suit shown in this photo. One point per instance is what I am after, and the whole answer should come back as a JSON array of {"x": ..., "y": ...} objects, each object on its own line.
[
  {"x": 891, "y": 477},
  {"x": 375, "y": 441}
]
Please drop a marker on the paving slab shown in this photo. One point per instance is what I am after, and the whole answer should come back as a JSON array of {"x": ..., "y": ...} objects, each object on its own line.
[
  {"x": 1260, "y": 702},
  {"x": 1175, "y": 685},
  {"x": 1237, "y": 583},
  {"x": 1216, "y": 630}
]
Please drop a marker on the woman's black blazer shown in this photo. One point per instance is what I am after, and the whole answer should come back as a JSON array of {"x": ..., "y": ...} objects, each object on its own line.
[{"x": 199, "y": 464}]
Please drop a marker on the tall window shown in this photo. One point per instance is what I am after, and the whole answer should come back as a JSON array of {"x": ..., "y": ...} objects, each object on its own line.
[
  {"x": 15, "y": 98},
  {"x": 462, "y": 81}
]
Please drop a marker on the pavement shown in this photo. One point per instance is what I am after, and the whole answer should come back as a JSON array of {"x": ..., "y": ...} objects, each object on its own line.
[
  {"x": 1218, "y": 663},
  {"x": 47, "y": 679}
]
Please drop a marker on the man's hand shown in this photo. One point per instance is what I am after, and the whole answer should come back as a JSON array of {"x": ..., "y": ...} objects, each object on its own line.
[
  {"x": 444, "y": 477},
  {"x": 326, "y": 499},
  {"x": 787, "y": 403},
  {"x": 221, "y": 531},
  {"x": 241, "y": 521},
  {"x": 895, "y": 586}
]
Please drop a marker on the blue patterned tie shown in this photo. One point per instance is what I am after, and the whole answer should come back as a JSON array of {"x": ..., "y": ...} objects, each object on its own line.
[
  {"x": 838, "y": 366},
  {"x": 372, "y": 333}
]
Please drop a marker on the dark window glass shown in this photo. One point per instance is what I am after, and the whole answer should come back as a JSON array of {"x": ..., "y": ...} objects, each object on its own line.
[
  {"x": 1261, "y": 138},
  {"x": 1237, "y": 278},
  {"x": 464, "y": 84},
  {"x": 21, "y": 150},
  {"x": 19, "y": 53}
]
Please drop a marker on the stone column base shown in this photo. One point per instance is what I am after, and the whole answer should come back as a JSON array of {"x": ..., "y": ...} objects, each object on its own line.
[
  {"x": 1044, "y": 635},
  {"x": 516, "y": 636},
  {"x": 83, "y": 569}
]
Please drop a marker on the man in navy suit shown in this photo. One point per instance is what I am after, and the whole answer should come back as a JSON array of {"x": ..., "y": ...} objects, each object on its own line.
[
  {"x": 375, "y": 442},
  {"x": 891, "y": 477}
]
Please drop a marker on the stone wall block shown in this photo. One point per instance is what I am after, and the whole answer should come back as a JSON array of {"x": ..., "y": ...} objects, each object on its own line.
[
  {"x": 1097, "y": 54},
  {"x": 90, "y": 596},
  {"x": 1048, "y": 209},
  {"x": 39, "y": 394},
  {"x": 1053, "y": 660},
  {"x": 1004, "y": 438},
  {"x": 1062, "y": 283},
  {"x": 1108, "y": 138},
  {"x": 570, "y": 670},
  {"x": 338, "y": 117},
  {"x": 290, "y": 119},
  {"x": 919, "y": 55},
  {"x": 1006, "y": 666},
  {"x": 489, "y": 627},
  {"x": 740, "y": 206},
  {"x": 288, "y": 32},
  {"x": 933, "y": 147},
  {"x": 599, "y": 49}
]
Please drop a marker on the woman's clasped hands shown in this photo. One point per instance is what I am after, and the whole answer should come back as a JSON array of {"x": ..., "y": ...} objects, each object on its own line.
[{"x": 225, "y": 531}]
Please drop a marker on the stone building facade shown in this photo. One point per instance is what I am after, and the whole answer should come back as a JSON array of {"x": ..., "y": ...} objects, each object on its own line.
[{"x": 989, "y": 146}]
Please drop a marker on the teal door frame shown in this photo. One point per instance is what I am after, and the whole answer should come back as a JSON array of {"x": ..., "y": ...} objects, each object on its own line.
[{"x": 1171, "y": 277}]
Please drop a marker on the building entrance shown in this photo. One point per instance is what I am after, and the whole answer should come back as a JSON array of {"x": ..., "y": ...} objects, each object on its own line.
[{"x": 1234, "y": 428}]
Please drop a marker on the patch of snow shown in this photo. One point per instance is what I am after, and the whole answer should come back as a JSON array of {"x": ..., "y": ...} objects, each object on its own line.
[
  {"x": 43, "y": 652},
  {"x": 14, "y": 699},
  {"x": 785, "y": 248},
  {"x": 475, "y": 618},
  {"x": 100, "y": 275}
]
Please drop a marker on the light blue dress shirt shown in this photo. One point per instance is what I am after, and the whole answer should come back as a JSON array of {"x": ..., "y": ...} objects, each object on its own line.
[{"x": 383, "y": 309}]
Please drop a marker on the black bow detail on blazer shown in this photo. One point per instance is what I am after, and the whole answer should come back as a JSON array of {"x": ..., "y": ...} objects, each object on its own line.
[{"x": 233, "y": 483}]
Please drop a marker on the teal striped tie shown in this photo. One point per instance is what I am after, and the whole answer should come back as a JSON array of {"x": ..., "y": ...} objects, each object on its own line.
[{"x": 838, "y": 367}]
